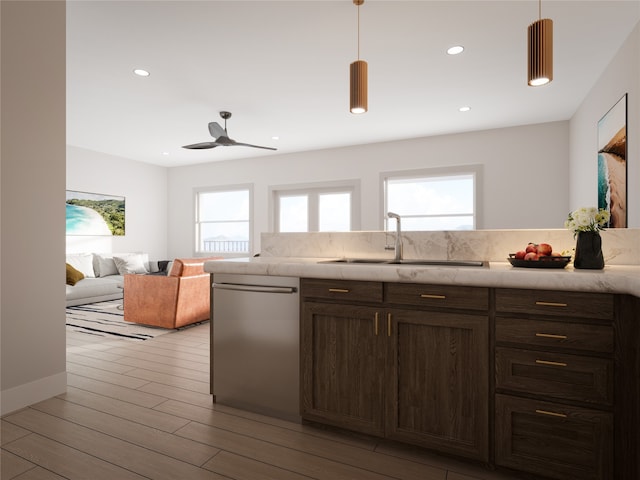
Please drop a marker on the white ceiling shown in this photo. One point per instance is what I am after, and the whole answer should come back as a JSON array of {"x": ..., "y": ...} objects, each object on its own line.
[{"x": 282, "y": 69}]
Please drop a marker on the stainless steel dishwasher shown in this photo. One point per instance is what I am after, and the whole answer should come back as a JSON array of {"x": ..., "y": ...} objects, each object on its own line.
[{"x": 255, "y": 343}]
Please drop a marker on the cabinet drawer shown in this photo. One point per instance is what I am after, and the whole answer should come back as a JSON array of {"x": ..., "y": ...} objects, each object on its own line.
[
  {"x": 566, "y": 335},
  {"x": 551, "y": 302},
  {"x": 473, "y": 298},
  {"x": 569, "y": 377},
  {"x": 552, "y": 440},
  {"x": 341, "y": 290}
]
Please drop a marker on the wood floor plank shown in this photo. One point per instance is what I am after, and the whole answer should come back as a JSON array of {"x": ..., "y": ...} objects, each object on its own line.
[
  {"x": 109, "y": 390},
  {"x": 294, "y": 460},
  {"x": 156, "y": 440},
  {"x": 12, "y": 465},
  {"x": 172, "y": 380},
  {"x": 128, "y": 411},
  {"x": 66, "y": 461},
  {"x": 203, "y": 367},
  {"x": 235, "y": 466},
  {"x": 346, "y": 454},
  {"x": 39, "y": 473},
  {"x": 109, "y": 449},
  {"x": 105, "y": 376},
  {"x": 10, "y": 432},
  {"x": 96, "y": 363},
  {"x": 201, "y": 375},
  {"x": 158, "y": 354},
  {"x": 186, "y": 396}
]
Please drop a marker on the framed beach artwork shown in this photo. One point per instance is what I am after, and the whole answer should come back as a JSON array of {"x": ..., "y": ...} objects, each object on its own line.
[
  {"x": 94, "y": 214},
  {"x": 612, "y": 163}
]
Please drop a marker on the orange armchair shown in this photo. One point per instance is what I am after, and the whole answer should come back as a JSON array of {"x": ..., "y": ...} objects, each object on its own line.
[{"x": 178, "y": 299}]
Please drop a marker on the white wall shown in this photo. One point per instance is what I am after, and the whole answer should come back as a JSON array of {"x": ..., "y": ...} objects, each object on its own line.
[
  {"x": 144, "y": 187},
  {"x": 525, "y": 177},
  {"x": 621, "y": 76},
  {"x": 32, "y": 352}
]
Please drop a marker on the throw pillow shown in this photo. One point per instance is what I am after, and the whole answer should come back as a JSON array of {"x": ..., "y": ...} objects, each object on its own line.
[
  {"x": 104, "y": 265},
  {"x": 131, "y": 263},
  {"x": 82, "y": 262},
  {"x": 73, "y": 275}
]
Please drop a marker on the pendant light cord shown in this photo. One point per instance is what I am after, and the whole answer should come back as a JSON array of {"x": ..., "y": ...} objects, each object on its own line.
[{"x": 358, "y": 32}]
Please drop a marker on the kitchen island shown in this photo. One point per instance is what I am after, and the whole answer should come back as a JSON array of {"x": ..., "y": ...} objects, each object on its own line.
[{"x": 534, "y": 370}]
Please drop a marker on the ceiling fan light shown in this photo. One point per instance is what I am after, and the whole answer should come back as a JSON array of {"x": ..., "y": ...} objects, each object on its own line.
[
  {"x": 540, "y": 52},
  {"x": 359, "y": 102}
]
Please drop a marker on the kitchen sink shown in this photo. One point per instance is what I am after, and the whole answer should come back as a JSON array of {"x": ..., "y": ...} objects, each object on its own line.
[{"x": 408, "y": 261}]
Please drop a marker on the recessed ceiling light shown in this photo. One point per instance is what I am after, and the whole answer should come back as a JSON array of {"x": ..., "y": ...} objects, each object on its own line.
[
  {"x": 141, "y": 73},
  {"x": 464, "y": 109},
  {"x": 455, "y": 50},
  {"x": 165, "y": 153},
  {"x": 275, "y": 138}
]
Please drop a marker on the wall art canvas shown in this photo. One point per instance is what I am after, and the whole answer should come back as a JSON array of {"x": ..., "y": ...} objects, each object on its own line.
[
  {"x": 94, "y": 214},
  {"x": 612, "y": 163}
]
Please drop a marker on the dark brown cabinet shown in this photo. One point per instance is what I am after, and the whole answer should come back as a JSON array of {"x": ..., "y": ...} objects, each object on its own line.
[
  {"x": 554, "y": 374},
  {"x": 417, "y": 374}
]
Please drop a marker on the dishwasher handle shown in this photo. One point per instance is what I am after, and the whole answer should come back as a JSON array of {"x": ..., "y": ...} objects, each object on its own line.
[{"x": 254, "y": 288}]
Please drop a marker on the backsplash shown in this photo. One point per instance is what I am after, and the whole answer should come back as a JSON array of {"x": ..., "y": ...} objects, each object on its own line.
[{"x": 620, "y": 246}]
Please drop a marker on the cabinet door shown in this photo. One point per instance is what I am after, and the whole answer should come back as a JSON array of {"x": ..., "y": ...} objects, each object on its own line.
[
  {"x": 439, "y": 377},
  {"x": 342, "y": 366},
  {"x": 553, "y": 440}
]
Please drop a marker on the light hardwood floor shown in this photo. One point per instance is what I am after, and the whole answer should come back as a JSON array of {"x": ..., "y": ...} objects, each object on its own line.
[{"x": 136, "y": 410}]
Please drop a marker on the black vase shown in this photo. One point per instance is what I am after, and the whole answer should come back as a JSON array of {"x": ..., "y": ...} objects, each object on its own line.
[{"x": 588, "y": 251}]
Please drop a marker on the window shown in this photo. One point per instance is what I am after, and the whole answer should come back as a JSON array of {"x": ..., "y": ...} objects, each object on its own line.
[
  {"x": 223, "y": 220},
  {"x": 436, "y": 199},
  {"x": 316, "y": 208}
]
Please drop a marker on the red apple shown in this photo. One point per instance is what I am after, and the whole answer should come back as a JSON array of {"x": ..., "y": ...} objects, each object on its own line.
[
  {"x": 520, "y": 254},
  {"x": 531, "y": 256},
  {"x": 556, "y": 254},
  {"x": 532, "y": 247},
  {"x": 544, "y": 249}
]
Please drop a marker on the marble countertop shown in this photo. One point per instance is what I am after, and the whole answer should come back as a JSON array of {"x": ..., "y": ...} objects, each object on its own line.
[{"x": 612, "y": 279}]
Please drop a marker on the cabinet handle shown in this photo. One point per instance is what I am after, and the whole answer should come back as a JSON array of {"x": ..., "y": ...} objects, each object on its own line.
[
  {"x": 555, "y": 364},
  {"x": 339, "y": 290},
  {"x": 551, "y": 335},
  {"x": 427, "y": 295},
  {"x": 388, "y": 324},
  {"x": 375, "y": 323},
  {"x": 552, "y": 414},
  {"x": 551, "y": 304}
]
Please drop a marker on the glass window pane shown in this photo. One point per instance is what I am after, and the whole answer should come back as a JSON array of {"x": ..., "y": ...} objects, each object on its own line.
[
  {"x": 334, "y": 212},
  {"x": 224, "y": 237},
  {"x": 294, "y": 216},
  {"x": 223, "y": 206},
  {"x": 431, "y": 196},
  {"x": 437, "y": 223}
]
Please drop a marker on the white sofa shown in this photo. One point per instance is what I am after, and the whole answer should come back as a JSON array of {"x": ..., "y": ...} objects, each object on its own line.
[{"x": 104, "y": 275}]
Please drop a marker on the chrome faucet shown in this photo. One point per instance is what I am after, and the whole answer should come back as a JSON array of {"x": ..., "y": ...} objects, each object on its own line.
[{"x": 397, "y": 248}]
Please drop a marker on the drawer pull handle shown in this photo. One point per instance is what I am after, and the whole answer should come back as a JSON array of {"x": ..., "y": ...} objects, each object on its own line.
[
  {"x": 339, "y": 290},
  {"x": 551, "y": 335},
  {"x": 375, "y": 323},
  {"x": 554, "y": 364},
  {"x": 552, "y": 414},
  {"x": 388, "y": 324},
  {"x": 427, "y": 295},
  {"x": 551, "y": 304}
]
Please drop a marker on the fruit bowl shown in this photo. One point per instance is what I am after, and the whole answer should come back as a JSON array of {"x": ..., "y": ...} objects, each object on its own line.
[{"x": 546, "y": 261}]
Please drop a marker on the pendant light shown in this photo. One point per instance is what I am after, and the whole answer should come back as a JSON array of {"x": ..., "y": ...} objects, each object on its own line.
[
  {"x": 540, "y": 50},
  {"x": 358, "y": 77}
]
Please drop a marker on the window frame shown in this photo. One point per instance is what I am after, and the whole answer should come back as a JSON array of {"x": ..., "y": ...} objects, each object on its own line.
[
  {"x": 197, "y": 223},
  {"x": 313, "y": 192},
  {"x": 475, "y": 170}
]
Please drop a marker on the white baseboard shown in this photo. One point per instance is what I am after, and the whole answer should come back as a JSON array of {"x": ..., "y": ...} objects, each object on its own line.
[{"x": 15, "y": 398}]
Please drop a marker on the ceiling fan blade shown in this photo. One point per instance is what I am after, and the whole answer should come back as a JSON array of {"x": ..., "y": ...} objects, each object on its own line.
[
  {"x": 216, "y": 130},
  {"x": 201, "y": 146},
  {"x": 254, "y": 146}
]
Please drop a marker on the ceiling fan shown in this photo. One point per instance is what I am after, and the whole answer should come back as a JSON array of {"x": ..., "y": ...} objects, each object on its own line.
[{"x": 222, "y": 137}]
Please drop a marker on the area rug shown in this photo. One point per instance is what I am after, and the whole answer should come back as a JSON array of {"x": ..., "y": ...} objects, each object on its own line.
[{"x": 106, "y": 319}]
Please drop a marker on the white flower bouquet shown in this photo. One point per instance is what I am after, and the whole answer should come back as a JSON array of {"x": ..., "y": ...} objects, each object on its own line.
[{"x": 587, "y": 220}]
